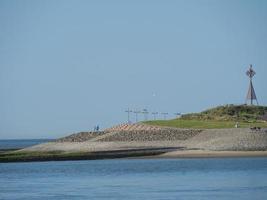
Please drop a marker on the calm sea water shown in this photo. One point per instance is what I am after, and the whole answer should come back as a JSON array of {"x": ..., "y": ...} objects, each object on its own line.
[
  {"x": 131, "y": 179},
  {"x": 20, "y": 143}
]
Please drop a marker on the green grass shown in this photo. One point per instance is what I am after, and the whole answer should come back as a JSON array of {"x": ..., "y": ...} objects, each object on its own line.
[
  {"x": 204, "y": 124},
  {"x": 229, "y": 113},
  {"x": 219, "y": 117}
]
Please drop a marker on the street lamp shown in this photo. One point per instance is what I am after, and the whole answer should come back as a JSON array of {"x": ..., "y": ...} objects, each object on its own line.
[
  {"x": 128, "y": 112},
  {"x": 145, "y": 112},
  {"x": 136, "y": 115},
  {"x": 164, "y": 115},
  {"x": 154, "y": 114},
  {"x": 178, "y": 115}
]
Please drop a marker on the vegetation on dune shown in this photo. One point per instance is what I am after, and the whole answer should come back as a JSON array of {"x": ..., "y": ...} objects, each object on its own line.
[
  {"x": 229, "y": 113},
  {"x": 204, "y": 124},
  {"x": 219, "y": 117}
]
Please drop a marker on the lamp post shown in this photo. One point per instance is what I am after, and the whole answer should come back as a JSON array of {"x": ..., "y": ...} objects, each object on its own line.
[
  {"x": 128, "y": 112},
  {"x": 136, "y": 115},
  {"x": 154, "y": 114},
  {"x": 164, "y": 115},
  {"x": 145, "y": 112},
  {"x": 177, "y": 114}
]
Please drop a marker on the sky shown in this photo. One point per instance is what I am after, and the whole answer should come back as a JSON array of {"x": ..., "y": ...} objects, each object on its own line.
[{"x": 67, "y": 66}]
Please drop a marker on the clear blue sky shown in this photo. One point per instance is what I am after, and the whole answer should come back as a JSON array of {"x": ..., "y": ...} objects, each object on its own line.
[{"x": 66, "y": 66}]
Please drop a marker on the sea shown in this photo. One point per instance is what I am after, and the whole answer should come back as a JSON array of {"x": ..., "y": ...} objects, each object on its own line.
[
  {"x": 134, "y": 179},
  {"x": 20, "y": 143}
]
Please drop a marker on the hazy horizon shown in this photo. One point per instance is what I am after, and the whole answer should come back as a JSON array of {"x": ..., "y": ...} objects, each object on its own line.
[{"x": 66, "y": 66}]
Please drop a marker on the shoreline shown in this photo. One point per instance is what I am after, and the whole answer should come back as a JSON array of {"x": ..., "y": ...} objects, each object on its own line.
[
  {"x": 36, "y": 156},
  {"x": 143, "y": 141},
  {"x": 152, "y": 153},
  {"x": 212, "y": 154},
  {"x": 11, "y": 149}
]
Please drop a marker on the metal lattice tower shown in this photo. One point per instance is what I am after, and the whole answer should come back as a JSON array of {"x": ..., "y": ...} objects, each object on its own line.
[{"x": 251, "y": 95}]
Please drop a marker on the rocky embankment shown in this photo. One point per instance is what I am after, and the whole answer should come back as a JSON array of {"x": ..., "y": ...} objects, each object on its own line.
[
  {"x": 235, "y": 139},
  {"x": 149, "y": 133},
  {"x": 131, "y": 133},
  {"x": 80, "y": 137}
]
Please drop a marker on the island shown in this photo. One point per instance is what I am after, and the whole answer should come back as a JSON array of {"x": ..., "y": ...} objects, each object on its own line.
[{"x": 223, "y": 131}]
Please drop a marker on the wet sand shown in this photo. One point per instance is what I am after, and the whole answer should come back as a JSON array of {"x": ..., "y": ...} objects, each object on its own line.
[{"x": 211, "y": 154}]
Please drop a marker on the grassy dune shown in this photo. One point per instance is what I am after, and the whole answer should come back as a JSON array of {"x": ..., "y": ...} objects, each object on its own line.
[
  {"x": 204, "y": 124},
  {"x": 219, "y": 117}
]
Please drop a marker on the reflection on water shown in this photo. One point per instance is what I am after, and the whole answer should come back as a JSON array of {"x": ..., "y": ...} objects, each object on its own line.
[{"x": 235, "y": 178}]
